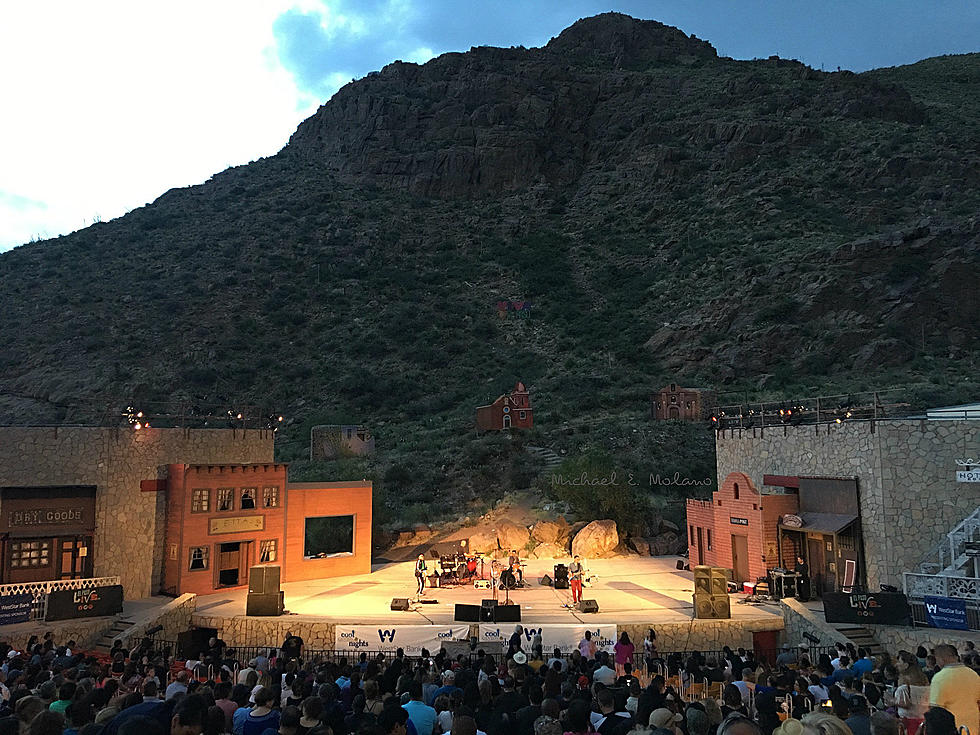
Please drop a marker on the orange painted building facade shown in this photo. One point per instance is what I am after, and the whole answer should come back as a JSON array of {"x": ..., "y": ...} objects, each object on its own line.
[
  {"x": 223, "y": 519},
  {"x": 738, "y": 528}
]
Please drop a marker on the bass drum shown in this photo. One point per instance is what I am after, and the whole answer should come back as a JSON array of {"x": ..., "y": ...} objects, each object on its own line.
[{"x": 508, "y": 580}]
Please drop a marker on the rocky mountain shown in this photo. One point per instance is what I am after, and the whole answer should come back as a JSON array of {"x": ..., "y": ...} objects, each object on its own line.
[{"x": 669, "y": 215}]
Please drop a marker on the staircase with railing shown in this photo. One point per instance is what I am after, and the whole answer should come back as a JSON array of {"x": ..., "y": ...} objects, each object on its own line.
[{"x": 950, "y": 557}]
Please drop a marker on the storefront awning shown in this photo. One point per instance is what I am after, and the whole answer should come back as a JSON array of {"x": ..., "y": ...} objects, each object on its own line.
[{"x": 823, "y": 522}]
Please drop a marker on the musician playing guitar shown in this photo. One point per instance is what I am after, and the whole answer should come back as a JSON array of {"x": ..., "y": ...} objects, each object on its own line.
[
  {"x": 514, "y": 560},
  {"x": 420, "y": 573}
]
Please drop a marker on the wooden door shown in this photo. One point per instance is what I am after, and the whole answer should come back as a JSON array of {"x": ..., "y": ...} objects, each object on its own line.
[
  {"x": 75, "y": 560},
  {"x": 229, "y": 564},
  {"x": 700, "y": 545},
  {"x": 740, "y": 558}
]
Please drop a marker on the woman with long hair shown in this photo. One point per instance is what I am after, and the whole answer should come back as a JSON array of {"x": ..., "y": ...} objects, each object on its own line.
[
  {"x": 624, "y": 649},
  {"x": 912, "y": 698}
]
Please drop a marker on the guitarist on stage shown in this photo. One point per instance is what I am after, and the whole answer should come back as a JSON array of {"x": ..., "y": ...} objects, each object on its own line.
[{"x": 420, "y": 574}]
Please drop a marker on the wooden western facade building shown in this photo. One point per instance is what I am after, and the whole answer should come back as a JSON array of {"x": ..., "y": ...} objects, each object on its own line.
[
  {"x": 224, "y": 519},
  {"x": 752, "y": 532}
]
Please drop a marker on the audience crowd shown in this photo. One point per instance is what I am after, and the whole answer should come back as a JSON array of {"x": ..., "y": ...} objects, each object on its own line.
[{"x": 50, "y": 689}]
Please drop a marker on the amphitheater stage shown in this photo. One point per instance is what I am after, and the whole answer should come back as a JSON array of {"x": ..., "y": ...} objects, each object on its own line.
[{"x": 629, "y": 591}]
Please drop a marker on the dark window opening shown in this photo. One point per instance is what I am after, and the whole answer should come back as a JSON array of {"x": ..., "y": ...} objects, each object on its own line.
[
  {"x": 328, "y": 536},
  {"x": 736, "y": 491},
  {"x": 248, "y": 498}
]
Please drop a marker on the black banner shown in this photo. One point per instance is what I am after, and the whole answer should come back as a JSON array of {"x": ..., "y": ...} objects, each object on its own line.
[
  {"x": 88, "y": 603},
  {"x": 879, "y": 608}
]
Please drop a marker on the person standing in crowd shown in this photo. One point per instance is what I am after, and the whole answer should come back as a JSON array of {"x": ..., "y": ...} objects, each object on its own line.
[
  {"x": 956, "y": 688},
  {"x": 575, "y": 573},
  {"x": 586, "y": 646},
  {"x": 624, "y": 649},
  {"x": 650, "y": 654}
]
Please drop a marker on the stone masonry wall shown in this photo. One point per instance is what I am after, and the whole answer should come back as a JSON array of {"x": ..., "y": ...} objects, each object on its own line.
[
  {"x": 175, "y": 617},
  {"x": 127, "y": 524},
  {"x": 800, "y": 620},
  {"x": 894, "y": 638},
  {"x": 905, "y": 470}
]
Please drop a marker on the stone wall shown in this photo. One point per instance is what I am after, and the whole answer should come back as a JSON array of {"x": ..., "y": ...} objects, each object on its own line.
[
  {"x": 175, "y": 617},
  {"x": 693, "y": 635},
  {"x": 906, "y": 478},
  {"x": 241, "y": 631},
  {"x": 84, "y": 632},
  {"x": 893, "y": 638},
  {"x": 128, "y": 522},
  {"x": 800, "y": 620}
]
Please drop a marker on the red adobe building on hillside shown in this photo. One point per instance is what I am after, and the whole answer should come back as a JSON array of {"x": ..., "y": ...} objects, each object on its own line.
[{"x": 510, "y": 411}]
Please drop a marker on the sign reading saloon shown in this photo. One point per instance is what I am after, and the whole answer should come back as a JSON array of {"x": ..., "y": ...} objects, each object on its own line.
[
  {"x": 565, "y": 637},
  {"x": 389, "y": 638}
]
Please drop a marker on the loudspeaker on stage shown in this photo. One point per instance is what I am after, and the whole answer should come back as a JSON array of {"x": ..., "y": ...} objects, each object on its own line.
[
  {"x": 587, "y": 606},
  {"x": 399, "y": 603}
]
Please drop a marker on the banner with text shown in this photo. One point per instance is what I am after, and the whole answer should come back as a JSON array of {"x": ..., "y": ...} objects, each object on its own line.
[
  {"x": 389, "y": 638},
  {"x": 93, "y": 602},
  {"x": 946, "y": 612},
  {"x": 565, "y": 637},
  {"x": 15, "y": 608}
]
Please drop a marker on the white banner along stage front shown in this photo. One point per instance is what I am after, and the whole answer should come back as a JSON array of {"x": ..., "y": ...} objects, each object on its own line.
[
  {"x": 565, "y": 637},
  {"x": 389, "y": 638}
]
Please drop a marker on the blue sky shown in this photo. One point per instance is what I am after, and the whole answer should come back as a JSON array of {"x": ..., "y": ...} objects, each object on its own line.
[{"x": 109, "y": 103}]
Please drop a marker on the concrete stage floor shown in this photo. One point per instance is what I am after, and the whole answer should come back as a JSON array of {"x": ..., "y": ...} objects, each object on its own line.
[{"x": 628, "y": 590}]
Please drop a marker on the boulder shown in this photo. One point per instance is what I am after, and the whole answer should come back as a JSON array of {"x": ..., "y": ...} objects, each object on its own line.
[
  {"x": 640, "y": 545},
  {"x": 596, "y": 540},
  {"x": 483, "y": 541},
  {"x": 664, "y": 544},
  {"x": 546, "y": 532},
  {"x": 549, "y": 551},
  {"x": 669, "y": 525},
  {"x": 512, "y": 536}
]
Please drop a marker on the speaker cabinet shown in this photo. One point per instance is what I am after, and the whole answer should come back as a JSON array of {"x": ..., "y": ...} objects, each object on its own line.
[
  {"x": 264, "y": 604},
  {"x": 588, "y": 606},
  {"x": 507, "y": 614},
  {"x": 487, "y": 611},
  {"x": 712, "y": 607},
  {"x": 546, "y": 581},
  {"x": 719, "y": 581},
  {"x": 702, "y": 580},
  {"x": 467, "y": 613},
  {"x": 263, "y": 580},
  {"x": 399, "y": 603},
  {"x": 561, "y": 577}
]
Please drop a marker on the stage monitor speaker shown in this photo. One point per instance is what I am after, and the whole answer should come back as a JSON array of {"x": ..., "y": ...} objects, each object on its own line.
[
  {"x": 561, "y": 577},
  {"x": 702, "y": 580},
  {"x": 587, "y": 606},
  {"x": 546, "y": 581},
  {"x": 264, "y": 580},
  {"x": 712, "y": 607},
  {"x": 191, "y": 643},
  {"x": 487, "y": 611},
  {"x": 264, "y": 604},
  {"x": 719, "y": 581},
  {"x": 467, "y": 613},
  {"x": 399, "y": 603},
  {"x": 507, "y": 614}
]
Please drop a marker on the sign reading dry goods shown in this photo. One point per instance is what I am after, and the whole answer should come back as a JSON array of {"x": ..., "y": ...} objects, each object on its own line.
[
  {"x": 237, "y": 524},
  {"x": 45, "y": 517}
]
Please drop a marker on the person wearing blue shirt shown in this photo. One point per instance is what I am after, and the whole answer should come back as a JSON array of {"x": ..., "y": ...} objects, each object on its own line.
[
  {"x": 422, "y": 715},
  {"x": 863, "y": 665}
]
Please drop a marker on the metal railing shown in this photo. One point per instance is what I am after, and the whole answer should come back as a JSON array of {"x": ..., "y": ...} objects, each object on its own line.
[
  {"x": 40, "y": 590},
  {"x": 917, "y": 586},
  {"x": 866, "y": 406}
]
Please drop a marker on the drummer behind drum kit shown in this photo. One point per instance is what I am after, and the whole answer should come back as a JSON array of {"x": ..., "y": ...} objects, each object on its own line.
[{"x": 455, "y": 569}]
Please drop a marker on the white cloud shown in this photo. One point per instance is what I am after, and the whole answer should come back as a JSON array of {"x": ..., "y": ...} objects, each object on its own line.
[{"x": 109, "y": 104}]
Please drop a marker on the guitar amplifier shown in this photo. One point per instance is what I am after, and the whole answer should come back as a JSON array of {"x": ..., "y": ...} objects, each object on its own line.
[{"x": 481, "y": 584}]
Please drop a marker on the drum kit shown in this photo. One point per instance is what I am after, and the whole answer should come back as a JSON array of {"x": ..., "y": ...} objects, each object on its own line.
[{"x": 455, "y": 569}]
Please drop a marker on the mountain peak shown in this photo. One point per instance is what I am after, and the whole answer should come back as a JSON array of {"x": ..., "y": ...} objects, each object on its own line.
[{"x": 627, "y": 42}]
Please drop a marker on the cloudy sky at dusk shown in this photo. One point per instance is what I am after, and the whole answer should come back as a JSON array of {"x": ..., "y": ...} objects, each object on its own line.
[{"x": 108, "y": 104}]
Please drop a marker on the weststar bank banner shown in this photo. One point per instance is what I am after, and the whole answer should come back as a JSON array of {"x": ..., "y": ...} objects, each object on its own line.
[
  {"x": 389, "y": 638},
  {"x": 565, "y": 637}
]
